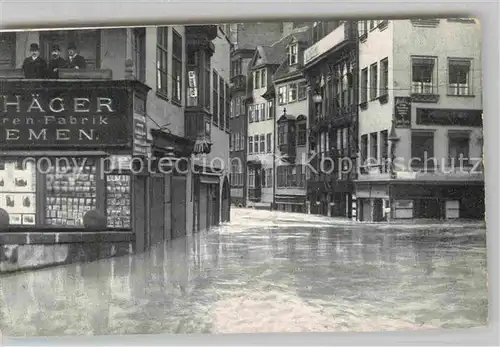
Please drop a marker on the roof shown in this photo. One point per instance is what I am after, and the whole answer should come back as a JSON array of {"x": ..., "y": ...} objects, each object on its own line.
[{"x": 276, "y": 53}]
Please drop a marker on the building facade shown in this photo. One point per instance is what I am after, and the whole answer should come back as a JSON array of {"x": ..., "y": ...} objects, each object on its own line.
[
  {"x": 330, "y": 67},
  {"x": 139, "y": 84},
  {"x": 245, "y": 37},
  {"x": 291, "y": 123},
  {"x": 420, "y": 120}
]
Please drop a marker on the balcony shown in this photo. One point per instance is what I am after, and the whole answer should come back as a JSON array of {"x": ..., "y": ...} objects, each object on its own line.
[
  {"x": 287, "y": 137},
  {"x": 254, "y": 194},
  {"x": 238, "y": 83}
]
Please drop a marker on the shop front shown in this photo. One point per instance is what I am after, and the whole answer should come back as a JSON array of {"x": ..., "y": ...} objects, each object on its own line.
[
  {"x": 207, "y": 198},
  {"x": 73, "y": 171}
]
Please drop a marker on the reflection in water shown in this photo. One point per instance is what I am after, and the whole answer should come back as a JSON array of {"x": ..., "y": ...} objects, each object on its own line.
[{"x": 325, "y": 275}]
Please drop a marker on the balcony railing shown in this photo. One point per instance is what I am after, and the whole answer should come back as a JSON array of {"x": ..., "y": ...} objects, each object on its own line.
[{"x": 91, "y": 74}]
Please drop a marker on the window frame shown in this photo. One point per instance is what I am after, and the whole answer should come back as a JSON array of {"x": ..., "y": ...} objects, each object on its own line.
[
  {"x": 215, "y": 97},
  {"x": 293, "y": 55},
  {"x": 454, "y": 89},
  {"x": 364, "y": 85},
  {"x": 384, "y": 77},
  {"x": 291, "y": 88},
  {"x": 374, "y": 81},
  {"x": 282, "y": 95},
  {"x": 177, "y": 69},
  {"x": 162, "y": 77},
  {"x": 421, "y": 87}
]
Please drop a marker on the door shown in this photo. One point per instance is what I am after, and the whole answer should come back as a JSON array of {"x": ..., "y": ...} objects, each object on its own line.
[
  {"x": 157, "y": 206},
  {"x": 203, "y": 211},
  {"x": 139, "y": 212},
  {"x": 428, "y": 208},
  {"x": 378, "y": 210},
  {"x": 178, "y": 206}
]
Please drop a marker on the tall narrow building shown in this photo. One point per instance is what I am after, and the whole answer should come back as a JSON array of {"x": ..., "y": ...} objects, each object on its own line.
[{"x": 244, "y": 37}]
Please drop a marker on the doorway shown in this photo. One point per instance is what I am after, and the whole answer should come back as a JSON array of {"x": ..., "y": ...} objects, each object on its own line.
[{"x": 428, "y": 208}]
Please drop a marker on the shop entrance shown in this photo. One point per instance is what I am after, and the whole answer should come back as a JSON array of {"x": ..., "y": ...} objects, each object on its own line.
[{"x": 427, "y": 208}]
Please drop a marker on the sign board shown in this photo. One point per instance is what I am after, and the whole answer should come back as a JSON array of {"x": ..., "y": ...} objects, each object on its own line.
[
  {"x": 74, "y": 117},
  {"x": 193, "y": 88},
  {"x": 402, "y": 112},
  {"x": 141, "y": 146},
  {"x": 324, "y": 45},
  {"x": 430, "y": 116}
]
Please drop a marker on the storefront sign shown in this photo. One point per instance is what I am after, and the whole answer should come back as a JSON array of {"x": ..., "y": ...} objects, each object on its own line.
[
  {"x": 429, "y": 116},
  {"x": 193, "y": 88},
  {"x": 402, "y": 112},
  {"x": 74, "y": 117},
  {"x": 140, "y": 135}
]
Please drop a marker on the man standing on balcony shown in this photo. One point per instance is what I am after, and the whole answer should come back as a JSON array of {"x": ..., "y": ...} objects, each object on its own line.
[
  {"x": 57, "y": 62},
  {"x": 76, "y": 61},
  {"x": 34, "y": 66}
]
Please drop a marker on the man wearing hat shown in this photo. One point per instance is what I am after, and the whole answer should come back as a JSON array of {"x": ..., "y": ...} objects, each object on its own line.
[
  {"x": 34, "y": 66},
  {"x": 57, "y": 62},
  {"x": 76, "y": 61}
]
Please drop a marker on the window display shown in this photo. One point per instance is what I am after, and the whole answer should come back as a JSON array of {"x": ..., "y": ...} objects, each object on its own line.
[
  {"x": 18, "y": 191},
  {"x": 118, "y": 201},
  {"x": 71, "y": 191}
]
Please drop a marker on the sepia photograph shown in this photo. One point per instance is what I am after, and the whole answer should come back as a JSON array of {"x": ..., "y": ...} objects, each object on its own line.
[{"x": 256, "y": 177}]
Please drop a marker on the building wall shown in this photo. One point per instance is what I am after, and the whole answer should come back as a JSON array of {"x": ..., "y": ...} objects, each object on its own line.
[
  {"x": 378, "y": 46},
  {"x": 447, "y": 40},
  {"x": 299, "y": 107}
]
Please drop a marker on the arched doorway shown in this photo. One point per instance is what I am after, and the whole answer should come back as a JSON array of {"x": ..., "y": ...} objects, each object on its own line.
[{"x": 226, "y": 201}]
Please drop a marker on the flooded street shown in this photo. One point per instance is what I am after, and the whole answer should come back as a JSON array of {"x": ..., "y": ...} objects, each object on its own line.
[{"x": 265, "y": 272}]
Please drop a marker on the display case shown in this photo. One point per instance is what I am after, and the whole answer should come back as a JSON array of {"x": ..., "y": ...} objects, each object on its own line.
[{"x": 118, "y": 201}]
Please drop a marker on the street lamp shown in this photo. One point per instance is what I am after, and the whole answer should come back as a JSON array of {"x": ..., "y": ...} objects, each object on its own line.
[{"x": 393, "y": 138}]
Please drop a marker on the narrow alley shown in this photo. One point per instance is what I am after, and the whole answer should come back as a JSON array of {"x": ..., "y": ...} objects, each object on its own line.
[{"x": 264, "y": 272}]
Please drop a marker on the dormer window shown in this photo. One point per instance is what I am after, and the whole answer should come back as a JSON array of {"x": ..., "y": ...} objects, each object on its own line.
[
  {"x": 293, "y": 54},
  {"x": 259, "y": 79}
]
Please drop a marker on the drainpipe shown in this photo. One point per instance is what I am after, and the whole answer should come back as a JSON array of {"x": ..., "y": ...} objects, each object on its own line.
[{"x": 393, "y": 139}]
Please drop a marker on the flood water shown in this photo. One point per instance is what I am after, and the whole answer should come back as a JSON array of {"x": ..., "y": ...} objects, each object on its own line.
[{"x": 264, "y": 272}]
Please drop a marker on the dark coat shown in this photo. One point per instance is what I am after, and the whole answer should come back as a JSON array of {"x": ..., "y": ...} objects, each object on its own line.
[
  {"x": 78, "y": 61},
  {"x": 59, "y": 63},
  {"x": 34, "y": 68}
]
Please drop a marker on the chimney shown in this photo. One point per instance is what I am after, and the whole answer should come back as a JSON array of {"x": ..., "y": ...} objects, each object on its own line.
[{"x": 287, "y": 28}]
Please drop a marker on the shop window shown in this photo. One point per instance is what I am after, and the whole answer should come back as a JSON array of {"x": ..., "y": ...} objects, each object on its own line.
[
  {"x": 118, "y": 198},
  {"x": 18, "y": 191},
  {"x": 176, "y": 67}
]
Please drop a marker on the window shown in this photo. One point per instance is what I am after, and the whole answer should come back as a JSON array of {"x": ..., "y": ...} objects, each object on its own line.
[
  {"x": 222, "y": 103},
  {"x": 372, "y": 24},
  {"x": 251, "y": 178},
  {"x": 206, "y": 82},
  {"x": 236, "y": 67},
  {"x": 256, "y": 79},
  {"x": 215, "y": 98},
  {"x": 236, "y": 140},
  {"x": 262, "y": 143},
  {"x": 176, "y": 67},
  {"x": 292, "y": 92},
  {"x": 373, "y": 148},
  {"x": 250, "y": 113},
  {"x": 422, "y": 149},
  {"x": 237, "y": 106},
  {"x": 263, "y": 178},
  {"x": 384, "y": 77},
  {"x": 364, "y": 149},
  {"x": 257, "y": 113},
  {"x": 270, "y": 111},
  {"x": 363, "y": 28},
  {"x": 242, "y": 140},
  {"x": 364, "y": 85},
  {"x": 458, "y": 148},
  {"x": 263, "y": 79},
  {"x": 250, "y": 144},
  {"x": 282, "y": 138},
  {"x": 384, "y": 147},
  {"x": 282, "y": 95},
  {"x": 256, "y": 144},
  {"x": 262, "y": 112},
  {"x": 459, "y": 81},
  {"x": 423, "y": 75},
  {"x": 373, "y": 81},
  {"x": 161, "y": 60},
  {"x": 228, "y": 105},
  {"x": 302, "y": 90},
  {"x": 269, "y": 178},
  {"x": 242, "y": 105},
  {"x": 269, "y": 143},
  {"x": 302, "y": 134},
  {"x": 292, "y": 54},
  {"x": 139, "y": 54},
  {"x": 231, "y": 142}
]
